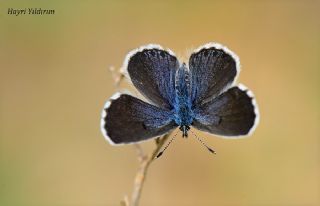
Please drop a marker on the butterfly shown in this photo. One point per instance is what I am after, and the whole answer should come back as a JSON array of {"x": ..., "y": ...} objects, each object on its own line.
[{"x": 200, "y": 94}]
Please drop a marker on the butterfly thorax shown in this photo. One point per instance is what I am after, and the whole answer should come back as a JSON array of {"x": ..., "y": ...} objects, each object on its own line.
[{"x": 182, "y": 108}]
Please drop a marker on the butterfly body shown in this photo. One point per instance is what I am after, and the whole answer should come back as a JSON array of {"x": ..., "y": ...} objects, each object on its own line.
[
  {"x": 183, "y": 115},
  {"x": 199, "y": 94}
]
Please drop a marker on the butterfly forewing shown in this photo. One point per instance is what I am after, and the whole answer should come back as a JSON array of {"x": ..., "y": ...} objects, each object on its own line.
[
  {"x": 152, "y": 71},
  {"x": 213, "y": 68}
]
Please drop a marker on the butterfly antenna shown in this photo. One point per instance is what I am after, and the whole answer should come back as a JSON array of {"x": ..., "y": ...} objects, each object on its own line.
[
  {"x": 164, "y": 149},
  {"x": 203, "y": 143}
]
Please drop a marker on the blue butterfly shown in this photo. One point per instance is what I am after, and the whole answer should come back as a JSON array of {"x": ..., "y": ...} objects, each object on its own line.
[{"x": 201, "y": 94}]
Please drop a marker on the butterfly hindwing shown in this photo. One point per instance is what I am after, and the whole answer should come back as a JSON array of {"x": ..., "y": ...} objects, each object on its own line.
[
  {"x": 233, "y": 113},
  {"x": 126, "y": 119},
  {"x": 213, "y": 68},
  {"x": 152, "y": 71}
]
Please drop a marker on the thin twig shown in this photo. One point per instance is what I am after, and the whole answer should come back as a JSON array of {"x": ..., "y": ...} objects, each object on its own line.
[
  {"x": 144, "y": 160},
  {"x": 143, "y": 169}
]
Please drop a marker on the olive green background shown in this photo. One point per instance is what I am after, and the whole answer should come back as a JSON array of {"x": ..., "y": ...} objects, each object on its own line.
[{"x": 55, "y": 79}]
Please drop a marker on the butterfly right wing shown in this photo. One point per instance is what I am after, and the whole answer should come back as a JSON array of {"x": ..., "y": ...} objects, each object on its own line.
[
  {"x": 213, "y": 70},
  {"x": 126, "y": 119}
]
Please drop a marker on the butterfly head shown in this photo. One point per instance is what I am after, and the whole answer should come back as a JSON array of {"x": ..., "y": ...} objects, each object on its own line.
[{"x": 184, "y": 129}]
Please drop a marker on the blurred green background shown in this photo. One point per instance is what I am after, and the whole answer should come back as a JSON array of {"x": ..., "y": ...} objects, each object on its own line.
[{"x": 55, "y": 79}]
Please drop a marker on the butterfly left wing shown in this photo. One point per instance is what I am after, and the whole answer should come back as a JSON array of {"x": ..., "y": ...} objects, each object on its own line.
[
  {"x": 233, "y": 113},
  {"x": 126, "y": 119}
]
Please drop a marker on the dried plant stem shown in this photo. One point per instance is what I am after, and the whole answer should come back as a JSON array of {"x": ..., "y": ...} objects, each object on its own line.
[{"x": 145, "y": 161}]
